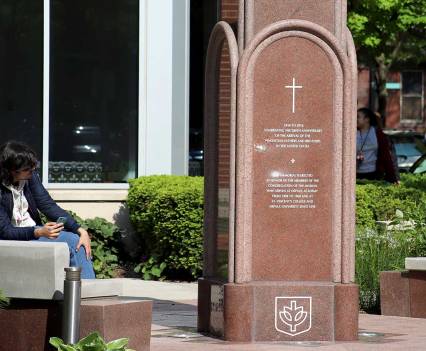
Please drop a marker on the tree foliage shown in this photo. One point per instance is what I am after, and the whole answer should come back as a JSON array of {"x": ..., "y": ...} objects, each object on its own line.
[
  {"x": 388, "y": 32},
  {"x": 392, "y": 29}
]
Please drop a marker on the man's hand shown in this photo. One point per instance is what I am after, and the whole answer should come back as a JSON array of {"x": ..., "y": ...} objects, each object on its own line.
[
  {"x": 50, "y": 230},
  {"x": 85, "y": 241}
]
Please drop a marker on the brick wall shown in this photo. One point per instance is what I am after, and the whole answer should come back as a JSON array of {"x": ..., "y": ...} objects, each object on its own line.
[
  {"x": 229, "y": 10},
  {"x": 229, "y": 13},
  {"x": 393, "y": 107}
]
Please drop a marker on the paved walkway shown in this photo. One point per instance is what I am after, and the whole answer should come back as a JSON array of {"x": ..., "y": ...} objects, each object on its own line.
[{"x": 175, "y": 319}]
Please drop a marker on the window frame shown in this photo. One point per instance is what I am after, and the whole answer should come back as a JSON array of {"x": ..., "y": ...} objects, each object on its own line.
[
  {"x": 141, "y": 104},
  {"x": 163, "y": 45},
  {"x": 408, "y": 121}
]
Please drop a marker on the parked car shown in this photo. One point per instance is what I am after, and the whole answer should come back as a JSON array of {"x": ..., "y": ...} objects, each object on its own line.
[
  {"x": 419, "y": 166},
  {"x": 196, "y": 152},
  {"x": 409, "y": 147}
]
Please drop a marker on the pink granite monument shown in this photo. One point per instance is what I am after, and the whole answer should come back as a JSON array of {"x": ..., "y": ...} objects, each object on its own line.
[{"x": 285, "y": 270}]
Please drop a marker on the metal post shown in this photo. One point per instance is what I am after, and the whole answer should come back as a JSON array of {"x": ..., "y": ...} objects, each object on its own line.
[{"x": 71, "y": 307}]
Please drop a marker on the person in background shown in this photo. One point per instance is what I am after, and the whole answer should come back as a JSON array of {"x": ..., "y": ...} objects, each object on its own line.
[
  {"x": 373, "y": 151},
  {"x": 23, "y": 196},
  {"x": 392, "y": 148}
]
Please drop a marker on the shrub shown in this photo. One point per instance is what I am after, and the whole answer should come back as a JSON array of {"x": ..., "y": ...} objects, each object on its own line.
[
  {"x": 381, "y": 247},
  {"x": 105, "y": 246},
  {"x": 378, "y": 201},
  {"x": 167, "y": 211}
]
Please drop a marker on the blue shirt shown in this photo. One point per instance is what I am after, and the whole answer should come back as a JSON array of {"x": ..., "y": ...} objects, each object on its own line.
[{"x": 366, "y": 143}]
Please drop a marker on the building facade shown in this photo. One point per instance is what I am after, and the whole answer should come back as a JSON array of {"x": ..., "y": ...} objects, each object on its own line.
[{"x": 405, "y": 108}]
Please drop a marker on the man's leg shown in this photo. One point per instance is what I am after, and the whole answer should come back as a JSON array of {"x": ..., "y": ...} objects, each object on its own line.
[{"x": 77, "y": 259}]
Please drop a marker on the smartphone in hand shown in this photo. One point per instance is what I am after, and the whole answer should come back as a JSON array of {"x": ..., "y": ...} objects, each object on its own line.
[{"x": 61, "y": 220}]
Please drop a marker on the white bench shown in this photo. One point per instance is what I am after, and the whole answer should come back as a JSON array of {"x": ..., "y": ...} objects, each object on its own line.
[
  {"x": 415, "y": 263},
  {"x": 35, "y": 270}
]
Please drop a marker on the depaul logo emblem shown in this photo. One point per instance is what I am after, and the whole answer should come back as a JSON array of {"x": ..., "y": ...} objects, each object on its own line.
[{"x": 293, "y": 314}]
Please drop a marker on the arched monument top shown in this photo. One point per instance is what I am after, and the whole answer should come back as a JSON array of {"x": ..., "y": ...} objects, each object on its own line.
[
  {"x": 296, "y": 26},
  {"x": 257, "y": 14},
  {"x": 222, "y": 32}
]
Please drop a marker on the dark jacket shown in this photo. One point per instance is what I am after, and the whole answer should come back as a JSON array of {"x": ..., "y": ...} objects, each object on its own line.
[
  {"x": 385, "y": 165},
  {"x": 38, "y": 200}
]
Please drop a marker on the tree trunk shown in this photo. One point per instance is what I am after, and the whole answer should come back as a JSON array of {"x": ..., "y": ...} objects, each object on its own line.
[{"x": 382, "y": 73}]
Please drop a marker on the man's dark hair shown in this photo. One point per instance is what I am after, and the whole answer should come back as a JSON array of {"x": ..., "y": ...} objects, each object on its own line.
[
  {"x": 367, "y": 113},
  {"x": 14, "y": 156}
]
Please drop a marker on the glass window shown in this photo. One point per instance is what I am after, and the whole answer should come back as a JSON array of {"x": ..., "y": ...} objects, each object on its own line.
[
  {"x": 412, "y": 96},
  {"x": 93, "y": 90},
  {"x": 412, "y": 83},
  {"x": 21, "y": 72}
]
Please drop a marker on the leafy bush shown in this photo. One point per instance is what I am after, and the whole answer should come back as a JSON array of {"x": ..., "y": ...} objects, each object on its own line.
[
  {"x": 167, "y": 211},
  {"x": 384, "y": 246},
  {"x": 4, "y": 301},
  {"x": 378, "y": 201},
  {"x": 91, "y": 342},
  {"x": 105, "y": 246}
]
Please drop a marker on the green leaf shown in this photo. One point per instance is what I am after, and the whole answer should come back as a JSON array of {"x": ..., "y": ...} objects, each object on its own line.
[
  {"x": 156, "y": 272},
  {"x": 4, "y": 301},
  {"x": 67, "y": 348},
  {"x": 399, "y": 214},
  {"x": 138, "y": 268},
  {"x": 56, "y": 342},
  {"x": 117, "y": 344},
  {"x": 91, "y": 339},
  {"x": 94, "y": 347}
]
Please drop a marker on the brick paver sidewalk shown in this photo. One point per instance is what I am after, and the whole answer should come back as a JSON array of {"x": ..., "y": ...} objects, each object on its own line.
[
  {"x": 175, "y": 321},
  {"x": 174, "y": 329}
]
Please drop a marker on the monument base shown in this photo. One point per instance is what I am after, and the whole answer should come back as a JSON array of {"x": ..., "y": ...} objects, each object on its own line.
[{"x": 278, "y": 310}]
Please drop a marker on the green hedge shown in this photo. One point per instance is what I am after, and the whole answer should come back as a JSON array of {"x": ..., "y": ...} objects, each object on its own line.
[
  {"x": 382, "y": 247},
  {"x": 378, "y": 201},
  {"x": 167, "y": 212}
]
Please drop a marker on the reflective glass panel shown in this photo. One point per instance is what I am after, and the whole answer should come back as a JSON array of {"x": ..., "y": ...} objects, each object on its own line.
[
  {"x": 412, "y": 83},
  {"x": 94, "y": 91},
  {"x": 21, "y": 72}
]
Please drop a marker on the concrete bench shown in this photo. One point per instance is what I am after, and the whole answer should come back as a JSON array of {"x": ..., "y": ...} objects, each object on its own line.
[
  {"x": 35, "y": 270},
  {"x": 32, "y": 274},
  {"x": 402, "y": 293},
  {"x": 415, "y": 263}
]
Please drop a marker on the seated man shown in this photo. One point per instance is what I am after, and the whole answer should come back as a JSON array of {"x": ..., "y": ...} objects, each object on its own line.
[{"x": 22, "y": 196}]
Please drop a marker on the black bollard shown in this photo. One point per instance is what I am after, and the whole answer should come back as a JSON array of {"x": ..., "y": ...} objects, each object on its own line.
[{"x": 71, "y": 307}]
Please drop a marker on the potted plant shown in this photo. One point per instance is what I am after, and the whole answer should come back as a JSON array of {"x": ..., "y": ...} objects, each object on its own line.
[{"x": 91, "y": 342}]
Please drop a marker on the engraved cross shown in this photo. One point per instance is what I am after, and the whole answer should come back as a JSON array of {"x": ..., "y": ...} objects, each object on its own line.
[{"x": 294, "y": 87}]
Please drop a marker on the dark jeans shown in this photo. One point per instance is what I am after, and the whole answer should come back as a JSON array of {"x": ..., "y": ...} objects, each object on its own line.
[{"x": 77, "y": 258}]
